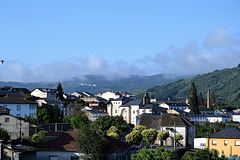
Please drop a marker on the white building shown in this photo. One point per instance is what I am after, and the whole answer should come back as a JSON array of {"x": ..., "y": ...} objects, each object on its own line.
[
  {"x": 130, "y": 109},
  {"x": 209, "y": 118},
  {"x": 44, "y": 93},
  {"x": 236, "y": 117},
  {"x": 200, "y": 143},
  {"x": 172, "y": 105},
  {"x": 20, "y": 107},
  {"x": 114, "y": 95}
]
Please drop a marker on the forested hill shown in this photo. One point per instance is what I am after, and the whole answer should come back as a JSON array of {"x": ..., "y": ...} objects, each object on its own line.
[{"x": 224, "y": 83}]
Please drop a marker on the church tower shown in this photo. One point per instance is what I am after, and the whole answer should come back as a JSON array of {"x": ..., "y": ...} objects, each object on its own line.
[{"x": 146, "y": 99}]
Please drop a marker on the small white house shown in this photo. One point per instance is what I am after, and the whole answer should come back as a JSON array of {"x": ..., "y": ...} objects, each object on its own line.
[
  {"x": 44, "y": 93},
  {"x": 236, "y": 117},
  {"x": 173, "y": 105},
  {"x": 200, "y": 143},
  {"x": 217, "y": 118}
]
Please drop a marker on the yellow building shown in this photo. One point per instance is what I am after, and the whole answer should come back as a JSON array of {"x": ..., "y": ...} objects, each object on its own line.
[{"x": 226, "y": 141}]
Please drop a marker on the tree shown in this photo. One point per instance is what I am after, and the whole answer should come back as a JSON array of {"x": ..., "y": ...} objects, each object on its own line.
[
  {"x": 114, "y": 132},
  {"x": 149, "y": 135},
  {"x": 39, "y": 137},
  {"x": 135, "y": 137},
  {"x": 193, "y": 99},
  {"x": 200, "y": 99},
  {"x": 105, "y": 122},
  {"x": 163, "y": 135},
  {"x": 159, "y": 154},
  {"x": 4, "y": 135},
  {"x": 179, "y": 137},
  {"x": 139, "y": 128},
  {"x": 60, "y": 92},
  {"x": 79, "y": 121},
  {"x": 43, "y": 116},
  {"x": 91, "y": 143},
  {"x": 55, "y": 114},
  {"x": 212, "y": 99}
]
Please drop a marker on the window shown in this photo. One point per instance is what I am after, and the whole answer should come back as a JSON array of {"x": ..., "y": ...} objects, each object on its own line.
[
  {"x": 6, "y": 119},
  {"x": 18, "y": 107},
  {"x": 225, "y": 142},
  {"x": 74, "y": 158},
  {"x": 133, "y": 112},
  {"x": 214, "y": 142},
  {"x": 53, "y": 157},
  {"x": 115, "y": 111},
  {"x": 236, "y": 143}
]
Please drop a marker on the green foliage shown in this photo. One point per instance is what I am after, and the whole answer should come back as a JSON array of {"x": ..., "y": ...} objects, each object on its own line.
[
  {"x": 79, "y": 121},
  {"x": 149, "y": 135},
  {"x": 148, "y": 154},
  {"x": 30, "y": 119},
  {"x": 114, "y": 135},
  {"x": 224, "y": 83},
  {"x": 135, "y": 137},
  {"x": 48, "y": 114},
  {"x": 193, "y": 100},
  {"x": 163, "y": 135},
  {"x": 105, "y": 122},
  {"x": 179, "y": 137},
  {"x": 139, "y": 128},
  {"x": 203, "y": 154},
  {"x": 202, "y": 130},
  {"x": 200, "y": 99},
  {"x": 60, "y": 92},
  {"x": 91, "y": 143},
  {"x": 4, "y": 135},
  {"x": 39, "y": 137},
  {"x": 114, "y": 132}
]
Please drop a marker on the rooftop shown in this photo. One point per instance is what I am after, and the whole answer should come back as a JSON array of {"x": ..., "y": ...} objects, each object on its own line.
[{"x": 229, "y": 133}]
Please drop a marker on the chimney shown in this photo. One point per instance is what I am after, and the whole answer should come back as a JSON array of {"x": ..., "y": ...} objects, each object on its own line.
[{"x": 208, "y": 99}]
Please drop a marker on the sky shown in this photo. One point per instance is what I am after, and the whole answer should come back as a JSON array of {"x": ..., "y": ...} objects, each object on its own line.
[{"x": 58, "y": 39}]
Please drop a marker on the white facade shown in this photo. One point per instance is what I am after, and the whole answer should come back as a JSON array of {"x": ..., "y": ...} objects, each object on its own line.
[
  {"x": 214, "y": 119},
  {"x": 44, "y": 93},
  {"x": 170, "y": 106},
  {"x": 22, "y": 109},
  {"x": 13, "y": 124},
  {"x": 198, "y": 118},
  {"x": 200, "y": 143},
  {"x": 109, "y": 95},
  {"x": 236, "y": 117}
]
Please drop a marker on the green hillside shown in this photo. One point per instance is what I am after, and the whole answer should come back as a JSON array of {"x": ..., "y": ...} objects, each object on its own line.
[{"x": 224, "y": 83}]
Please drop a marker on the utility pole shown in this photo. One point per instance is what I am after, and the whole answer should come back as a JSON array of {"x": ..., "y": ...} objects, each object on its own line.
[{"x": 174, "y": 143}]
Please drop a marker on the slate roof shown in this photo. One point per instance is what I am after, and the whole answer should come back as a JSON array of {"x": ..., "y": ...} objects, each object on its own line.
[
  {"x": 47, "y": 90},
  {"x": 170, "y": 119},
  {"x": 206, "y": 109},
  {"x": 227, "y": 133},
  {"x": 15, "y": 101},
  {"x": 130, "y": 103},
  {"x": 180, "y": 111},
  {"x": 68, "y": 142},
  {"x": 172, "y": 104}
]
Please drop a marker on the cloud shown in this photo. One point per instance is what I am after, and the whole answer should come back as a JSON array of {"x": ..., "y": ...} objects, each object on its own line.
[
  {"x": 219, "y": 38},
  {"x": 219, "y": 50}
]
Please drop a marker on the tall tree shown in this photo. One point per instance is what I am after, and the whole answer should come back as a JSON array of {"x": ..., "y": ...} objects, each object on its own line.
[
  {"x": 149, "y": 135},
  {"x": 193, "y": 99},
  {"x": 91, "y": 143},
  {"x": 60, "y": 92},
  {"x": 200, "y": 99},
  {"x": 212, "y": 99}
]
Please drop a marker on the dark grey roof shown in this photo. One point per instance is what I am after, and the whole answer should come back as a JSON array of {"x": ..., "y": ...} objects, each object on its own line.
[
  {"x": 47, "y": 90},
  {"x": 52, "y": 101},
  {"x": 229, "y": 133},
  {"x": 197, "y": 115},
  {"x": 15, "y": 101},
  {"x": 130, "y": 103},
  {"x": 180, "y": 111},
  {"x": 123, "y": 99},
  {"x": 172, "y": 104},
  {"x": 169, "y": 120},
  {"x": 206, "y": 109}
]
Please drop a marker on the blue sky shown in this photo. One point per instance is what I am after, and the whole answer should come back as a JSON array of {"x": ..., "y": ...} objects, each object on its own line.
[{"x": 56, "y": 40}]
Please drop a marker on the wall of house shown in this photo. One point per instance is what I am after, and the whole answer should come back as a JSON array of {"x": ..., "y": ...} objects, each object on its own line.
[
  {"x": 12, "y": 126},
  {"x": 39, "y": 93},
  {"x": 181, "y": 130},
  {"x": 236, "y": 118},
  {"x": 28, "y": 109},
  {"x": 229, "y": 149},
  {"x": 61, "y": 155},
  {"x": 200, "y": 143}
]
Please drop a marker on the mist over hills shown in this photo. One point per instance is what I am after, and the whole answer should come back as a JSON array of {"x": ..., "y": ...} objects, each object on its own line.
[{"x": 95, "y": 84}]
